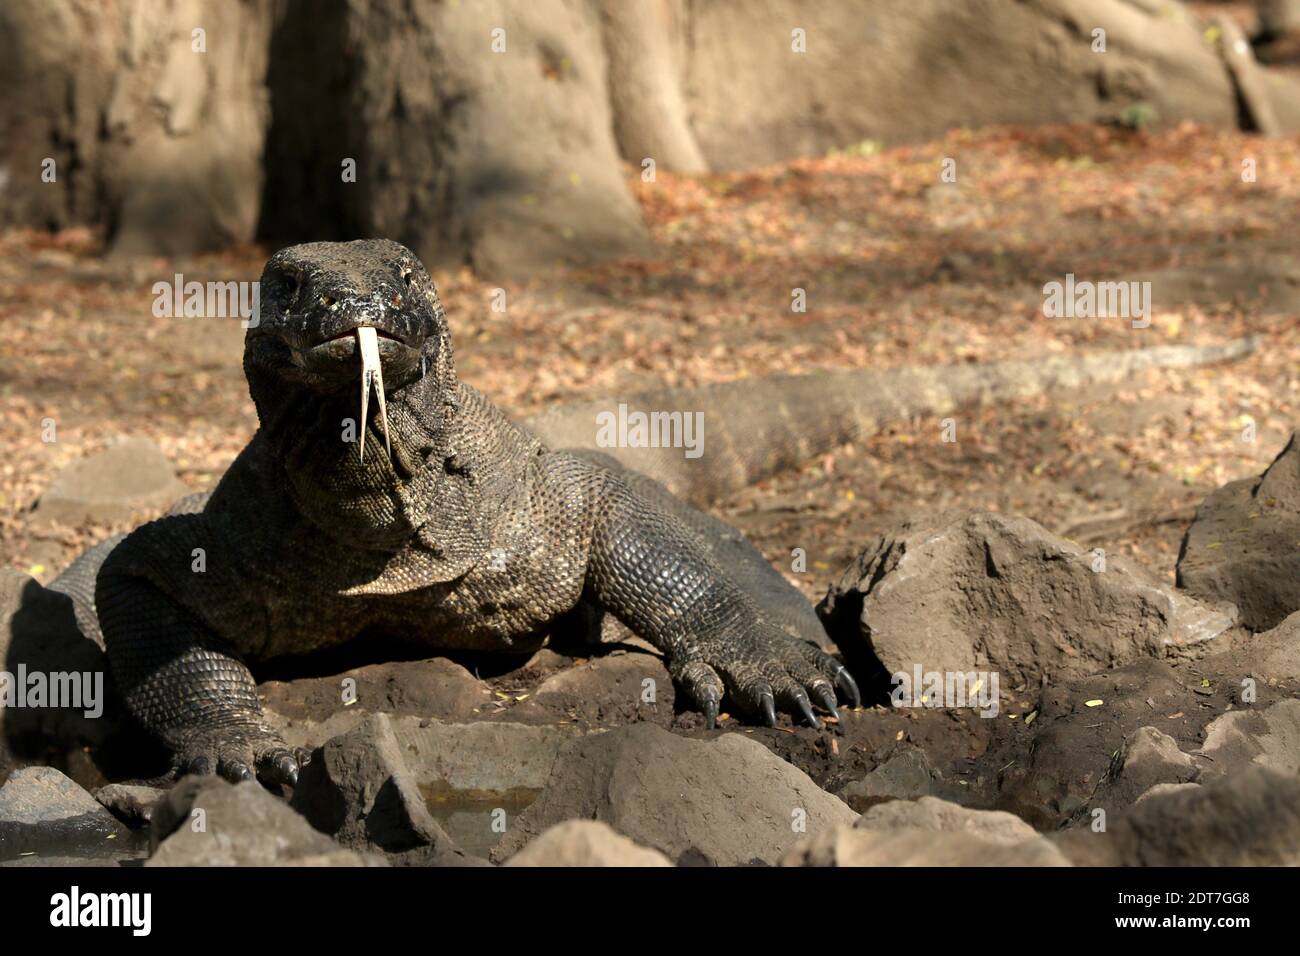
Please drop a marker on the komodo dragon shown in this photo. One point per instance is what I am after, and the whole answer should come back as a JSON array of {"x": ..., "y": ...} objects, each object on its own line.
[{"x": 446, "y": 523}]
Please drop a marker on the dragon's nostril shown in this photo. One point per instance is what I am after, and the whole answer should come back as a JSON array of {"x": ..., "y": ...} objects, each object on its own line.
[{"x": 327, "y": 300}]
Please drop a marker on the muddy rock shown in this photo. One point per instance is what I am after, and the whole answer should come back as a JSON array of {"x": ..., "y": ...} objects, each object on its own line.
[
  {"x": 126, "y": 478},
  {"x": 616, "y": 688},
  {"x": 308, "y": 711},
  {"x": 42, "y": 810},
  {"x": 131, "y": 804},
  {"x": 1265, "y": 737},
  {"x": 1275, "y": 654},
  {"x": 911, "y": 846},
  {"x": 205, "y": 821},
  {"x": 1272, "y": 656},
  {"x": 903, "y": 776},
  {"x": 357, "y": 789},
  {"x": 1147, "y": 759},
  {"x": 726, "y": 801},
  {"x": 1242, "y": 546},
  {"x": 585, "y": 843},
  {"x": 964, "y": 591},
  {"x": 1247, "y": 819}
]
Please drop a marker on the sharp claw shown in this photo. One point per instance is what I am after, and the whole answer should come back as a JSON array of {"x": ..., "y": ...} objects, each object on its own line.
[
  {"x": 826, "y": 697},
  {"x": 768, "y": 704},
  {"x": 287, "y": 768},
  {"x": 711, "y": 713},
  {"x": 806, "y": 709},
  {"x": 845, "y": 682},
  {"x": 237, "y": 772},
  {"x": 201, "y": 766}
]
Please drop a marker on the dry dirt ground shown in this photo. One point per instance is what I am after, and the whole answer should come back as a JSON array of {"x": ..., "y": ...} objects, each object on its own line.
[{"x": 899, "y": 268}]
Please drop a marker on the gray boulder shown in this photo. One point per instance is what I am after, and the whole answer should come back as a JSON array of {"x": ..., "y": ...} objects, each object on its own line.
[
  {"x": 43, "y": 811},
  {"x": 132, "y": 804},
  {"x": 1244, "y": 544},
  {"x": 940, "y": 816},
  {"x": 205, "y": 821},
  {"x": 129, "y": 477},
  {"x": 966, "y": 591},
  {"x": 903, "y": 776},
  {"x": 1247, "y": 819},
  {"x": 358, "y": 789},
  {"x": 909, "y": 846},
  {"x": 1265, "y": 737},
  {"x": 585, "y": 843},
  {"x": 727, "y": 801}
]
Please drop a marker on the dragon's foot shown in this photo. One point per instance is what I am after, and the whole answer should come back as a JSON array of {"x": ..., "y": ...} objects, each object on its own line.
[
  {"x": 238, "y": 753},
  {"x": 763, "y": 670}
]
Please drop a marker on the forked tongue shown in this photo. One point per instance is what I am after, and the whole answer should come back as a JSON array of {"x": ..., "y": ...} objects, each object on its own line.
[{"x": 372, "y": 374}]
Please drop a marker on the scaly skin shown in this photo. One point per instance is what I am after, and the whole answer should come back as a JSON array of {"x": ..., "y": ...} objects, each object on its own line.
[{"x": 473, "y": 535}]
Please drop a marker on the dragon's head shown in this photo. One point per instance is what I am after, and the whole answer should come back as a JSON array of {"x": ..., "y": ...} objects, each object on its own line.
[{"x": 346, "y": 317}]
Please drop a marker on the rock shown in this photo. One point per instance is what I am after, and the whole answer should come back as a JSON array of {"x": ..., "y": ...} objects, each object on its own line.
[
  {"x": 436, "y": 688},
  {"x": 902, "y": 777},
  {"x": 1247, "y": 819},
  {"x": 422, "y": 789},
  {"x": 126, "y": 478},
  {"x": 310, "y": 710},
  {"x": 966, "y": 591},
  {"x": 357, "y": 789},
  {"x": 1163, "y": 788},
  {"x": 1275, "y": 654},
  {"x": 1147, "y": 758},
  {"x": 611, "y": 689},
  {"x": 728, "y": 801},
  {"x": 941, "y": 816},
  {"x": 1266, "y": 737},
  {"x": 41, "y": 810},
  {"x": 909, "y": 846},
  {"x": 1244, "y": 544},
  {"x": 585, "y": 843},
  {"x": 205, "y": 821},
  {"x": 133, "y": 805}
]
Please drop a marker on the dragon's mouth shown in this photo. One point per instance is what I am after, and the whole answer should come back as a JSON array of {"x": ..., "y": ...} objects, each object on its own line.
[{"x": 337, "y": 359}]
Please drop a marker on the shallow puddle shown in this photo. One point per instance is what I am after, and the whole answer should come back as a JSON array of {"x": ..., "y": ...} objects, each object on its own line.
[
  {"x": 476, "y": 819},
  {"x": 59, "y": 847}
]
